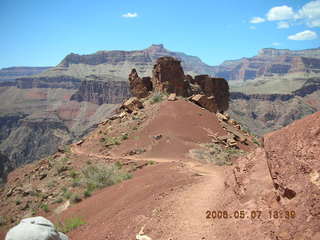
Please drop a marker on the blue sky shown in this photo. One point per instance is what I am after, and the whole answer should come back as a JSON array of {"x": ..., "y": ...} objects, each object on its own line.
[{"x": 42, "y": 32}]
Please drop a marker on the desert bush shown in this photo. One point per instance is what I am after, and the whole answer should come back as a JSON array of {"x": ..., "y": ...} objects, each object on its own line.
[
  {"x": 124, "y": 136},
  {"x": 100, "y": 176},
  {"x": 45, "y": 207},
  {"x": 3, "y": 221},
  {"x": 158, "y": 97},
  {"x": 87, "y": 193},
  {"x": 109, "y": 141},
  {"x": 70, "y": 224},
  {"x": 76, "y": 198},
  {"x": 216, "y": 154}
]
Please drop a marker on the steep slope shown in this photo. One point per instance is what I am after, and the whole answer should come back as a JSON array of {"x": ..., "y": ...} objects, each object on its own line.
[{"x": 281, "y": 181}]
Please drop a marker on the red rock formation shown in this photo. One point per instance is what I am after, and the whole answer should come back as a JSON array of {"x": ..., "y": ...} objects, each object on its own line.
[
  {"x": 205, "y": 102},
  {"x": 282, "y": 180},
  {"x": 139, "y": 87},
  {"x": 217, "y": 87},
  {"x": 168, "y": 77}
]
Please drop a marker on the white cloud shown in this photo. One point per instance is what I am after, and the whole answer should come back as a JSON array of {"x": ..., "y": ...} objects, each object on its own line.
[
  {"x": 305, "y": 35},
  {"x": 276, "y": 44},
  {"x": 130, "y": 15},
  {"x": 252, "y": 27},
  {"x": 282, "y": 25},
  {"x": 280, "y": 13},
  {"x": 257, "y": 20},
  {"x": 311, "y": 13}
]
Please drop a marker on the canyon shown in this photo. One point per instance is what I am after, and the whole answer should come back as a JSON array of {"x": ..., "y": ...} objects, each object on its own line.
[{"x": 59, "y": 105}]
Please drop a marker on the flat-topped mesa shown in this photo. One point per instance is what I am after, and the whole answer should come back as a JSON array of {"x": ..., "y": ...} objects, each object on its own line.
[
  {"x": 168, "y": 77},
  {"x": 139, "y": 87}
]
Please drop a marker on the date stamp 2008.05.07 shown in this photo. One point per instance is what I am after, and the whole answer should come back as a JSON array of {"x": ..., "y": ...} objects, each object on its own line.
[{"x": 253, "y": 214}]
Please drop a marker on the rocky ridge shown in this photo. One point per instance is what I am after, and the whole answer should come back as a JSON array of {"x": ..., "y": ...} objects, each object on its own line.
[{"x": 168, "y": 77}]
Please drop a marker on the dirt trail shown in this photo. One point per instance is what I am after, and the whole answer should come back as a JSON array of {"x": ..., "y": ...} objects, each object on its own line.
[
  {"x": 182, "y": 214},
  {"x": 185, "y": 211}
]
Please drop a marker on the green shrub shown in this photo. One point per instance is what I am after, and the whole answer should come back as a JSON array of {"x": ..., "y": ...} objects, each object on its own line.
[
  {"x": 76, "y": 198},
  {"x": 255, "y": 141},
  {"x": 67, "y": 195},
  {"x": 151, "y": 162},
  {"x": 45, "y": 207},
  {"x": 70, "y": 224},
  {"x": 74, "y": 174},
  {"x": 87, "y": 193},
  {"x": 3, "y": 221},
  {"x": 158, "y": 97},
  {"x": 124, "y": 136},
  {"x": 59, "y": 200},
  {"x": 216, "y": 154},
  {"x": 76, "y": 182},
  {"x": 100, "y": 176},
  {"x": 109, "y": 141}
]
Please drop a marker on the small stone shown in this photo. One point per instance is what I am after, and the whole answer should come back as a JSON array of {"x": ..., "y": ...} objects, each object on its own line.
[{"x": 172, "y": 97}]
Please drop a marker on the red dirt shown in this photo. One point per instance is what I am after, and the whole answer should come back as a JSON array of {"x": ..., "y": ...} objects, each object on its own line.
[
  {"x": 182, "y": 125},
  {"x": 119, "y": 211}
]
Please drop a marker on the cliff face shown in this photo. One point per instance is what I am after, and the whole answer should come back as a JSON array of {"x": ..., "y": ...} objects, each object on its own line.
[
  {"x": 11, "y": 73},
  {"x": 100, "y": 92},
  {"x": 270, "y": 62},
  {"x": 34, "y": 139},
  {"x": 65, "y": 82}
]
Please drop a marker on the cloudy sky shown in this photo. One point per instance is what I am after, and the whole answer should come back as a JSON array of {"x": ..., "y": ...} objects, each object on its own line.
[{"x": 41, "y": 33}]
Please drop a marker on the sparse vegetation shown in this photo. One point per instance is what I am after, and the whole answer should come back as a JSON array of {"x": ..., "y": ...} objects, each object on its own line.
[
  {"x": 76, "y": 182},
  {"x": 70, "y": 224},
  {"x": 87, "y": 193},
  {"x": 51, "y": 184},
  {"x": 151, "y": 162},
  {"x": 59, "y": 200},
  {"x": 67, "y": 195},
  {"x": 67, "y": 149},
  {"x": 158, "y": 97},
  {"x": 124, "y": 136},
  {"x": 74, "y": 174},
  {"x": 76, "y": 198},
  {"x": 216, "y": 154},
  {"x": 110, "y": 141},
  {"x": 255, "y": 141},
  {"x": 96, "y": 177},
  {"x": 61, "y": 165},
  {"x": 3, "y": 221},
  {"x": 45, "y": 207}
]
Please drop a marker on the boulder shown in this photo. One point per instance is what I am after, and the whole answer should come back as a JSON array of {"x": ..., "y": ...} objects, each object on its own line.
[
  {"x": 205, "y": 102},
  {"x": 172, "y": 97},
  {"x": 217, "y": 87},
  {"x": 168, "y": 77},
  {"x": 139, "y": 87},
  {"x": 35, "y": 228},
  {"x": 132, "y": 104}
]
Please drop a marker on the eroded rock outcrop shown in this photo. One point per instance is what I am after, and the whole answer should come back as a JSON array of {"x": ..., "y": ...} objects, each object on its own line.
[
  {"x": 205, "y": 102},
  {"x": 216, "y": 87},
  {"x": 139, "y": 87},
  {"x": 168, "y": 77}
]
